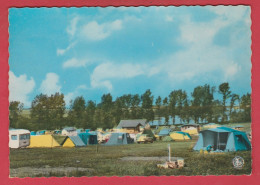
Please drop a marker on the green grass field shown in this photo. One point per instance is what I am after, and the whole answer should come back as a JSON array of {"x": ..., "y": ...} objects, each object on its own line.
[{"x": 106, "y": 161}]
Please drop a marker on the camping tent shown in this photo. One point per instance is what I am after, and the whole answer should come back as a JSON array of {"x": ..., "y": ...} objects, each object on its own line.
[
  {"x": 149, "y": 133},
  {"x": 88, "y": 139},
  {"x": 33, "y": 133},
  {"x": 192, "y": 129},
  {"x": 210, "y": 125},
  {"x": 41, "y": 132},
  {"x": 224, "y": 139},
  {"x": 164, "y": 132},
  {"x": 180, "y": 135},
  {"x": 43, "y": 141},
  {"x": 238, "y": 127},
  {"x": 80, "y": 130},
  {"x": 119, "y": 138},
  {"x": 73, "y": 141}
]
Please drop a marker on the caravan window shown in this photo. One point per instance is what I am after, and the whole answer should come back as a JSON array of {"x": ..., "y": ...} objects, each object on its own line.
[
  {"x": 14, "y": 137},
  {"x": 24, "y": 136}
]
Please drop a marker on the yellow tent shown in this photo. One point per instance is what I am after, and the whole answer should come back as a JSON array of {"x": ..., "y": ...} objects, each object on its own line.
[
  {"x": 68, "y": 143},
  {"x": 180, "y": 136},
  {"x": 43, "y": 141},
  {"x": 191, "y": 131}
]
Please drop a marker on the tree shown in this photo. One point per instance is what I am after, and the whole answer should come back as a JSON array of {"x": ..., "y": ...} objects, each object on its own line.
[
  {"x": 90, "y": 113},
  {"x": 77, "y": 114},
  {"x": 181, "y": 104},
  {"x": 106, "y": 107},
  {"x": 216, "y": 111},
  {"x": 15, "y": 110},
  {"x": 224, "y": 89},
  {"x": 158, "y": 103},
  {"x": 234, "y": 98},
  {"x": 48, "y": 112},
  {"x": 118, "y": 110},
  {"x": 147, "y": 105},
  {"x": 135, "y": 102},
  {"x": 246, "y": 107},
  {"x": 165, "y": 110},
  {"x": 202, "y": 103},
  {"x": 172, "y": 104}
]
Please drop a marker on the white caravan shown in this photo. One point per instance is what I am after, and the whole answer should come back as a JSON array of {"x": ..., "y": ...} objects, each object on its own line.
[{"x": 19, "y": 138}]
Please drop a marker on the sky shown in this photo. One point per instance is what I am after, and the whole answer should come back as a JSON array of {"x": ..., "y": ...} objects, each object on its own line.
[{"x": 92, "y": 51}]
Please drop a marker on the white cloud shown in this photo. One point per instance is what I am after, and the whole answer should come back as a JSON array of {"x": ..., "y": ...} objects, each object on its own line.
[
  {"x": 68, "y": 97},
  {"x": 168, "y": 18},
  {"x": 95, "y": 31},
  {"x": 50, "y": 85},
  {"x": 231, "y": 70},
  {"x": 63, "y": 51},
  {"x": 230, "y": 13},
  {"x": 74, "y": 62},
  {"x": 200, "y": 56},
  {"x": 20, "y": 87},
  {"x": 71, "y": 29},
  {"x": 71, "y": 95},
  {"x": 103, "y": 73}
]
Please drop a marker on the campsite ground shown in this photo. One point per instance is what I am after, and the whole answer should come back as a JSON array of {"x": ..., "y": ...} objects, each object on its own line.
[{"x": 107, "y": 161}]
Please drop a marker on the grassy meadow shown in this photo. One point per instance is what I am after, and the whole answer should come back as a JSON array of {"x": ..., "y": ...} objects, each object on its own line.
[{"x": 102, "y": 160}]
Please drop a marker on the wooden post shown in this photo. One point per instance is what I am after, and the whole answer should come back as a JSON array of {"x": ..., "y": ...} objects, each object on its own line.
[{"x": 169, "y": 147}]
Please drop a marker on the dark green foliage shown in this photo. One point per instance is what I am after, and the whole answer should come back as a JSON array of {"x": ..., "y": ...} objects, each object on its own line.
[
  {"x": 48, "y": 112},
  {"x": 147, "y": 105},
  {"x": 224, "y": 89}
]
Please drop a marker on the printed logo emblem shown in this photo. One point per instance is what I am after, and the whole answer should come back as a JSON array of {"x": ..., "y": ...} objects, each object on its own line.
[{"x": 238, "y": 162}]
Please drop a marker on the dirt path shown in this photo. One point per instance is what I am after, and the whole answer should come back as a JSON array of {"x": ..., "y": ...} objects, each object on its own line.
[
  {"x": 149, "y": 158},
  {"x": 47, "y": 171}
]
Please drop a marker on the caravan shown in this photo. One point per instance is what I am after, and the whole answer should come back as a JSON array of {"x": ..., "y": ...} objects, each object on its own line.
[{"x": 19, "y": 138}]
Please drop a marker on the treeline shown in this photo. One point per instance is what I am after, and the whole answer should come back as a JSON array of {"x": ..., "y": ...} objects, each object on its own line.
[{"x": 49, "y": 112}]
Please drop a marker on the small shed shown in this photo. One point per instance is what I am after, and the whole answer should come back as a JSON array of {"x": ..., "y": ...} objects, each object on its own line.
[{"x": 132, "y": 126}]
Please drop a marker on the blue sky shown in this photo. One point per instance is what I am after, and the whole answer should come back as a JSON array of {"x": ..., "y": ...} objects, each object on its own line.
[{"x": 92, "y": 51}]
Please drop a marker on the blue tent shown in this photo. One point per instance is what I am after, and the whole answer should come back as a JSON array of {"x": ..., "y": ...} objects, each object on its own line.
[
  {"x": 119, "y": 139},
  {"x": 87, "y": 130},
  {"x": 41, "y": 132},
  {"x": 80, "y": 130},
  {"x": 164, "y": 132},
  {"x": 33, "y": 133},
  {"x": 77, "y": 141},
  {"x": 223, "y": 139},
  {"x": 88, "y": 139}
]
